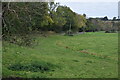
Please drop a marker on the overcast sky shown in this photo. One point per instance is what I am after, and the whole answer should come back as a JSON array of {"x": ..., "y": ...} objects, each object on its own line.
[
  {"x": 86, "y": 0},
  {"x": 93, "y": 8}
]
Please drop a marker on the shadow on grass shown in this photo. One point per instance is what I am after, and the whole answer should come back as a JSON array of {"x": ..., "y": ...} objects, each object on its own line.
[{"x": 36, "y": 66}]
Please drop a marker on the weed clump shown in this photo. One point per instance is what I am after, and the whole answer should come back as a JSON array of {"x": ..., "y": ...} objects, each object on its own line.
[
  {"x": 33, "y": 67},
  {"x": 75, "y": 60}
]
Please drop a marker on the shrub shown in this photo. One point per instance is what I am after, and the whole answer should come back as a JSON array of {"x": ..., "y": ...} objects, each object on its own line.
[
  {"x": 35, "y": 66},
  {"x": 107, "y": 31},
  {"x": 21, "y": 40}
]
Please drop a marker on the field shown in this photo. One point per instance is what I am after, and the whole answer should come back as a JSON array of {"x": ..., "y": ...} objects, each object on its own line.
[
  {"x": 88, "y": 55},
  {"x": 0, "y": 59}
]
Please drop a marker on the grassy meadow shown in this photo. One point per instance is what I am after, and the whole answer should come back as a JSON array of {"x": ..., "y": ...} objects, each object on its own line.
[
  {"x": 0, "y": 59},
  {"x": 88, "y": 55}
]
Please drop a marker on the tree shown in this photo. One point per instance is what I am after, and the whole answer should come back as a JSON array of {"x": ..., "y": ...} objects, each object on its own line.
[
  {"x": 84, "y": 15},
  {"x": 114, "y": 18},
  {"x": 105, "y": 18},
  {"x": 73, "y": 20},
  {"x": 20, "y": 19},
  {"x": 24, "y": 17},
  {"x": 67, "y": 14}
]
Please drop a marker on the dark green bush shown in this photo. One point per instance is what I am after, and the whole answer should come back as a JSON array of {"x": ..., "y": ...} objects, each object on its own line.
[
  {"x": 107, "y": 31},
  {"x": 21, "y": 40},
  {"x": 33, "y": 67}
]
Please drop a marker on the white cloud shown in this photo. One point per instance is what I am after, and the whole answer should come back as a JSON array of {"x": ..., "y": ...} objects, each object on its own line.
[
  {"x": 60, "y": 0},
  {"x": 86, "y": 0}
]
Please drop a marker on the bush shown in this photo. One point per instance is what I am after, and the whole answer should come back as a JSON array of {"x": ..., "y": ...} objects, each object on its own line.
[
  {"x": 112, "y": 31},
  {"x": 107, "y": 31},
  {"x": 34, "y": 66},
  {"x": 21, "y": 40}
]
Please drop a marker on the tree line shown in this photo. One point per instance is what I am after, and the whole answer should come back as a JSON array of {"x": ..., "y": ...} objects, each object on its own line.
[
  {"x": 22, "y": 19},
  {"x": 26, "y": 17}
]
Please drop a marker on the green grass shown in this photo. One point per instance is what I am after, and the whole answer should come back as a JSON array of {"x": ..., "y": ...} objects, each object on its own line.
[
  {"x": 0, "y": 58},
  {"x": 89, "y": 55}
]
